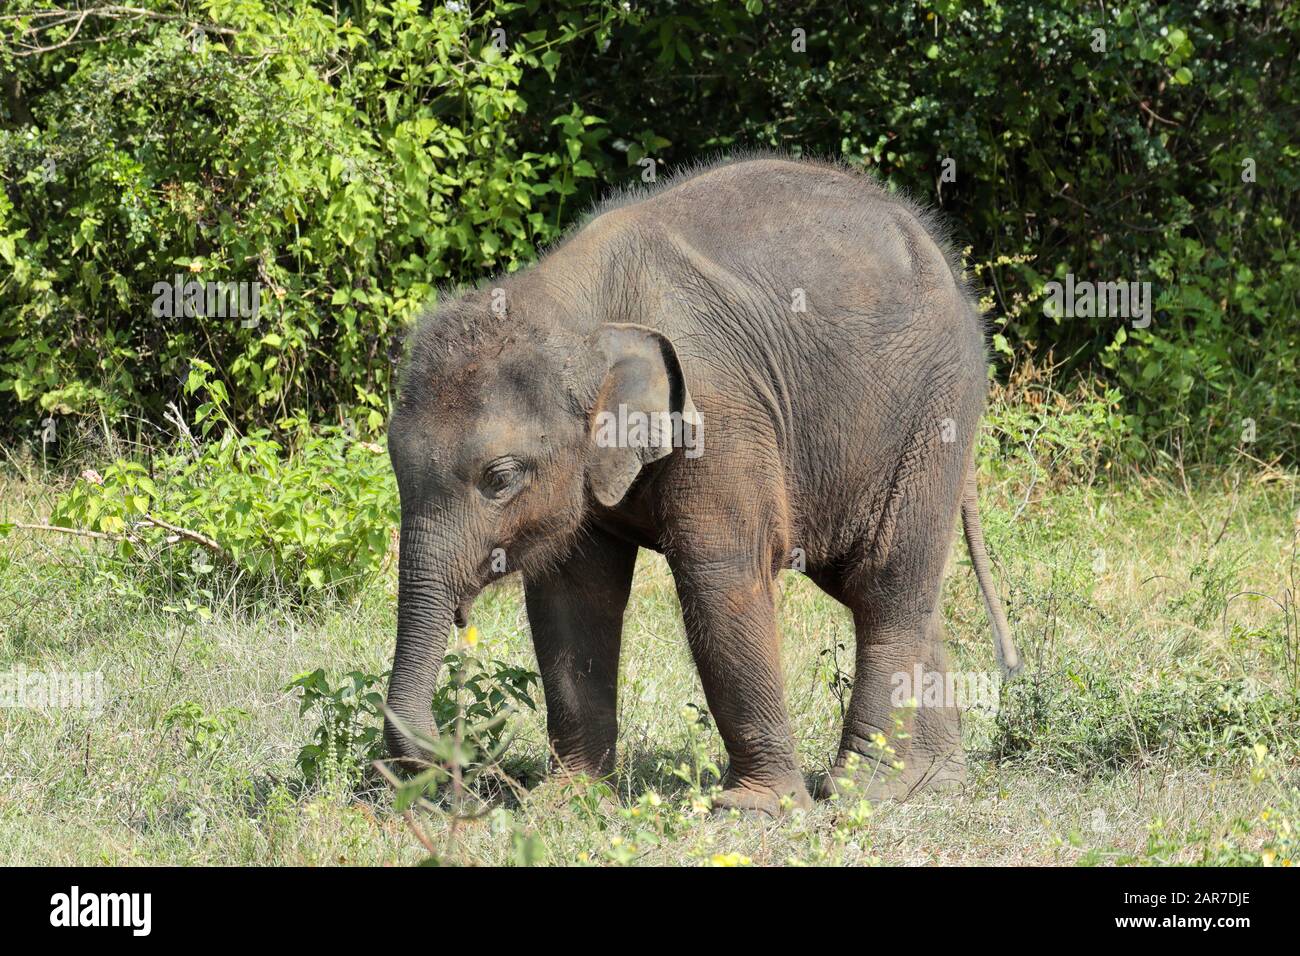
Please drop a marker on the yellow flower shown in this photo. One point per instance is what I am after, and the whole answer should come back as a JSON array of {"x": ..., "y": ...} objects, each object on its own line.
[
  {"x": 471, "y": 635},
  {"x": 729, "y": 859}
]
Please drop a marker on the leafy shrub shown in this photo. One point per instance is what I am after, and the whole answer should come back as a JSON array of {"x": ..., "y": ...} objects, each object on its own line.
[
  {"x": 349, "y": 728},
  {"x": 470, "y": 709},
  {"x": 1057, "y": 436},
  {"x": 350, "y": 158},
  {"x": 204, "y": 734},
  {"x": 313, "y": 511},
  {"x": 345, "y": 160},
  {"x": 479, "y": 692}
]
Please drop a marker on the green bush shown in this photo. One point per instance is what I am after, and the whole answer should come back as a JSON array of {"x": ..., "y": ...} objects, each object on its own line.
[
  {"x": 313, "y": 510},
  {"x": 1059, "y": 437},
  {"x": 349, "y": 730},
  {"x": 352, "y": 157},
  {"x": 347, "y": 159},
  {"x": 471, "y": 710}
]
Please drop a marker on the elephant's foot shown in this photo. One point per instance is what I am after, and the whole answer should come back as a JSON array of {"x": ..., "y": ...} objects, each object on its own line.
[
  {"x": 876, "y": 780},
  {"x": 765, "y": 799}
]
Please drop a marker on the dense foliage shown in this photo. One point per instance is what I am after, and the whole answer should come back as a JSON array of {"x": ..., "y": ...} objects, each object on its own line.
[
  {"x": 310, "y": 511},
  {"x": 350, "y": 157}
]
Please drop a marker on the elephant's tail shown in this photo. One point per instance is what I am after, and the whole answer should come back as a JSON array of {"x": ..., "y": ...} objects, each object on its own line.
[{"x": 1004, "y": 647}]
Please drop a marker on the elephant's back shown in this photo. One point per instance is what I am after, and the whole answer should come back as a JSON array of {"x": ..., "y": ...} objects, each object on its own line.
[
  {"x": 809, "y": 245},
  {"x": 827, "y": 317},
  {"x": 814, "y": 275}
]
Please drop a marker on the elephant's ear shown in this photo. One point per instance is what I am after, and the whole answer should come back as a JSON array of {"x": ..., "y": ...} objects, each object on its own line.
[{"x": 639, "y": 406}]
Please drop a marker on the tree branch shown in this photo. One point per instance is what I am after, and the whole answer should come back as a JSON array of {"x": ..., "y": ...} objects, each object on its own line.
[
  {"x": 189, "y": 535},
  {"x": 81, "y": 532}
]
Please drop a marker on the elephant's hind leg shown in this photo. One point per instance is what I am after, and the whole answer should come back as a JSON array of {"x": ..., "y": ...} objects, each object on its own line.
[
  {"x": 902, "y": 737},
  {"x": 902, "y": 722}
]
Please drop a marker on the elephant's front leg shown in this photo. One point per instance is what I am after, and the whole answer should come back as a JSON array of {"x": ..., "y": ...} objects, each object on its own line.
[
  {"x": 730, "y": 620},
  {"x": 575, "y": 610}
]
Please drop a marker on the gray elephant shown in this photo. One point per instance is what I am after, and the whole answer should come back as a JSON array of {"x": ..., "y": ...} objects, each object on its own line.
[{"x": 762, "y": 356}]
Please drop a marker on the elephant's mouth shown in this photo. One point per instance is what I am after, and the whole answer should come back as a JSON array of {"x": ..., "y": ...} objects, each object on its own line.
[
  {"x": 462, "y": 612},
  {"x": 464, "y": 605},
  {"x": 486, "y": 575}
]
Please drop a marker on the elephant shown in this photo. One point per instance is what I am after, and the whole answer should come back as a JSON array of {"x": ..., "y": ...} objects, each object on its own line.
[{"x": 762, "y": 357}]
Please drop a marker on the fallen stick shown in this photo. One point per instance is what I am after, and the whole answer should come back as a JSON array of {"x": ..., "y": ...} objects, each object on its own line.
[
  {"x": 82, "y": 532},
  {"x": 186, "y": 533}
]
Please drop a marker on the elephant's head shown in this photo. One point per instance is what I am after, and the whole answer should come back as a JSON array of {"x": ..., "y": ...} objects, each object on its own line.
[{"x": 495, "y": 444}]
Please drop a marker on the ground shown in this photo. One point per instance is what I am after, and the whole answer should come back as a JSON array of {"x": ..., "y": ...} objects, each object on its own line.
[{"x": 1157, "y": 721}]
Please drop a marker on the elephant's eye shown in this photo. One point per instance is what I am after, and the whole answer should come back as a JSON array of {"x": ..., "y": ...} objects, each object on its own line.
[{"x": 502, "y": 478}]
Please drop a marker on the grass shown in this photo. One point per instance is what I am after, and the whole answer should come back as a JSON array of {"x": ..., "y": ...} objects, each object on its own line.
[{"x": 1158, "y": 722}]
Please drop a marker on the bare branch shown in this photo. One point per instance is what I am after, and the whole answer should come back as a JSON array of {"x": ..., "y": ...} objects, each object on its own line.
[
  {"x": 186, "y": 533},
  {"x": 80, "y": 532},
  {"x": 189, "y": 535}
]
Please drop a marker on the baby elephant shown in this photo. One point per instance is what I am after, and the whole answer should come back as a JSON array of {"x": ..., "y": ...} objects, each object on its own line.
[{"x": 762, "y": 359}]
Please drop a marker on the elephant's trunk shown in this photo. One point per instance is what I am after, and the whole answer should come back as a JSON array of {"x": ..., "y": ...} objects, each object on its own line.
[{"x": 426, "y": 602}]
